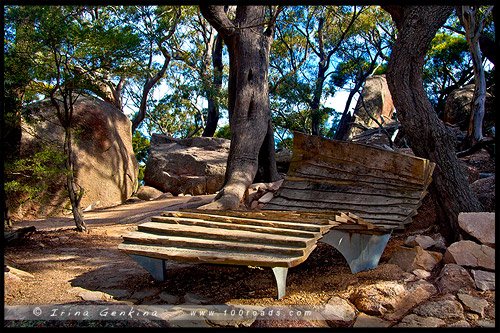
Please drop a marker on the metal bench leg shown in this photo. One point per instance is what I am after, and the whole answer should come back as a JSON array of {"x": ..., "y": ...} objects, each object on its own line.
[
  {"x": 362, "y": 251},
  {"x": 154, "y": 266},
  {"x": 280, "y": 275}
]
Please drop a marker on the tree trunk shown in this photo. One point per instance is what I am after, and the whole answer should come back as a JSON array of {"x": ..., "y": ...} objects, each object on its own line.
[
  {"x": 212, "y": 98},
  {"x": 473, "y": 29},
  {"x": 65, "y": 115},
  {"x": 426, "y": 134},
  {"x": 148, "y": 85},
  {"x": 248, "y": 99},
  {"x": 75, "y": 192}
]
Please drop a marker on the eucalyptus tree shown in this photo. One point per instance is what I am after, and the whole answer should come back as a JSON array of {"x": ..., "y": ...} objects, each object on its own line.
[
  {"x": 473, "y": 19},
  {"x": 248, "y": 37},
  {"x": 68, "y": 47},
  {"x": 425, "y": 132},
  {"x": 201, "y": 55}
]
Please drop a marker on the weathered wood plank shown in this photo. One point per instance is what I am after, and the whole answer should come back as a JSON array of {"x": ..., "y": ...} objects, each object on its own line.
[
  {"x": 361, "y": 210},
  {"x": 249, "y": 221},
  {"x": 189, "y": 242},
  {"x": 367, "y": 156},
  {"x": 213, "y": 256},
  {"x": 309, "y": 217},
  {"x": 313, "y": 170},
  {"x": 233, "y": 226},
  {"x": 355, "y": 185},
  {"x": 351, "y": 187},
  {"x": 348, "y": 199},
  {"x": 222, "y": 234}
]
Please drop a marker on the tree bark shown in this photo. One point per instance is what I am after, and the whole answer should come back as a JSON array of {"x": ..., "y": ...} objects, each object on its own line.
[
  {"x": 248, "y": 99},
  {"x": 426, "y": 134}
]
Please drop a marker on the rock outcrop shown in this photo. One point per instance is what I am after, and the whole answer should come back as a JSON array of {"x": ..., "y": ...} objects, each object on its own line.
[
  {"x": 458, "y": 106},
  {"x": 105, "y": 164},
  {"x": 186, "y": 166},
  {"x": 376, "y": 99}
]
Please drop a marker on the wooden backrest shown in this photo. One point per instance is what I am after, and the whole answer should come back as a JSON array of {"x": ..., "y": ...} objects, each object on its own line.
[{"x": 381, "y": 186}]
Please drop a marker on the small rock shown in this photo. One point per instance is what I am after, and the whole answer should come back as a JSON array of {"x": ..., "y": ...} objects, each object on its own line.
[
  {"x": 460, "y": 323},
  {"x": 479, "y": 225},
  {"x": 379, "y": 298},
  {"x": 165, "y": 196},
  {"x": 452, "y": 278},
  {"x": 414, "y": 320},
  {"x": 117, "y": 293},
  {"x": 442, "y": 309},
  {"x": 88, "y": 295},
  {"x": 410, "y": 259},
  {"x": 473, "y": 304},
  {"x": 418, "y": 293},
  {"x": 145, "y": 293},
  {"x": 266, "y": 198},
  {"x": 254, "y": 204},
  {"x": 339, "y": 312},
  {"x": 195, "y": 299},
  {"x": 471, "y": 254},
  {"x": 484, "y": 280},
  {"x": 170, "y": 299},
  {"x": 194, "y": 199},
  {"x": 486, "y": 323},
  {"x": 424, "y": 242},
  {"x": 148, "y": 193},
  {"x": 365, "y": 320},
  {"x": 421, "y": 274},
  {"x": 439, "y": 242}
]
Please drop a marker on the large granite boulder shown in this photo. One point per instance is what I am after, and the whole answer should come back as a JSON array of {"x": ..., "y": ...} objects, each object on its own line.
[
  {"x": 189, "y": 166},
  {"x": 105, "y": 164},
  {"x": 458, "y": 107},
  {"x": 377, "y": 100}
]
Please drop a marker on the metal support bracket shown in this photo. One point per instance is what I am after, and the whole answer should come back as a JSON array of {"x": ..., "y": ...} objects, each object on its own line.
[
  {"x": 153, "y": 265},
  {"x": 280, "y": 275},
  {"x": 362, "y": 251}
]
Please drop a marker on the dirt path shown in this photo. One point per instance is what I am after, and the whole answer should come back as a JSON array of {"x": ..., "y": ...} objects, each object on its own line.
[{"x": 67, "y": 268}]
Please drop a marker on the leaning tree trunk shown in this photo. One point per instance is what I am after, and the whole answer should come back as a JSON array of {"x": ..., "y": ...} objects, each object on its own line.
[
  {"x": 426, "y": 134},
  {"x": 248, "y": 45},
  {"x": 75, "y": 192}
]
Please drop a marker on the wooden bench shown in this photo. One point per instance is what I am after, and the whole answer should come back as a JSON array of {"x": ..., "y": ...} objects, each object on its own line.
[{"x": 358, "y": 195}]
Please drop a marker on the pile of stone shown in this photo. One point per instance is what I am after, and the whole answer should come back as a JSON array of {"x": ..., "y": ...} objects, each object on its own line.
[{"x": 259, "y": 194}]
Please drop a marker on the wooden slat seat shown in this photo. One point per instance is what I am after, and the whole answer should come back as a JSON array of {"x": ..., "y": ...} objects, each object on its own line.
[{"x": 251, "y": 239}]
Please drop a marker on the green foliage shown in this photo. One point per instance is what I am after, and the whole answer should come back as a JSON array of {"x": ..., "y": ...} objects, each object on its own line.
[
  {"x": 140, "y": 144},
  {"x": 28, "y": 178},
  {"x": 223, "y": 132}
]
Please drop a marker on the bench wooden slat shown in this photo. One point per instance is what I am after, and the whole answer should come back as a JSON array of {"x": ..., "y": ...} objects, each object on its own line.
[
  {"x": 310, "y": 217},
  {"x": 235, "y": 223},
  {"x": 190, "y": 242},
  {"x": 224, "y": 234},
  {"x": 213, "y": 256}
]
